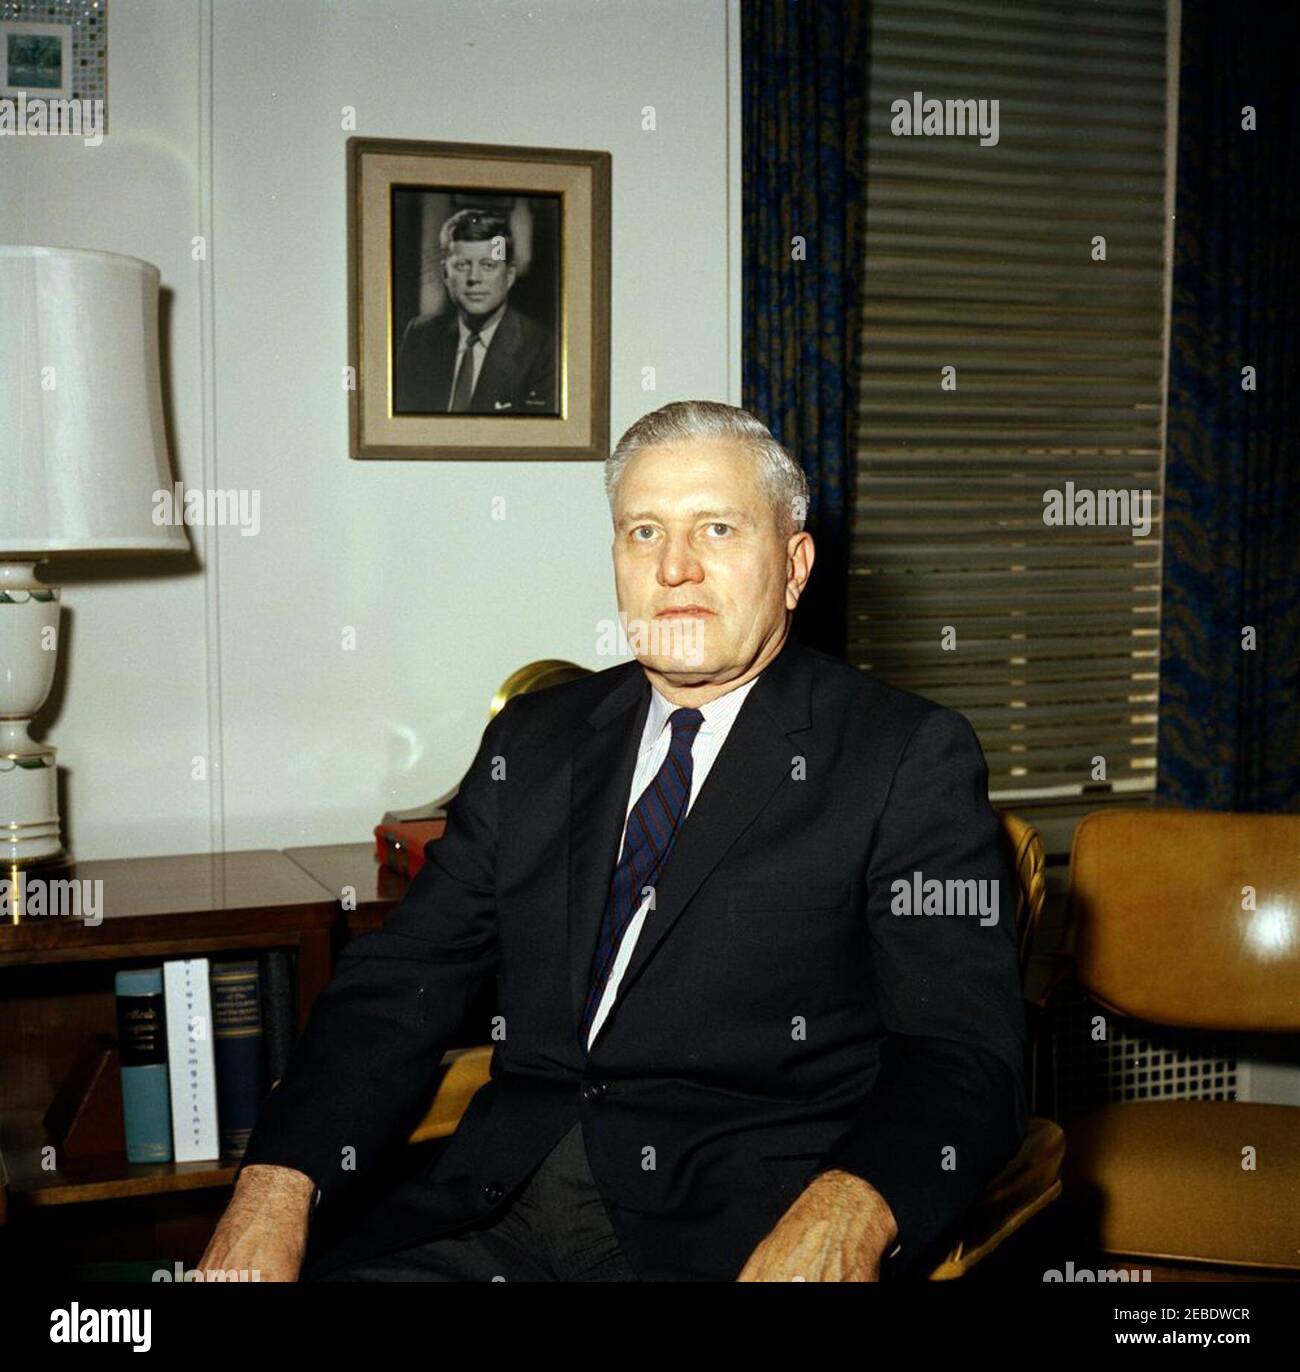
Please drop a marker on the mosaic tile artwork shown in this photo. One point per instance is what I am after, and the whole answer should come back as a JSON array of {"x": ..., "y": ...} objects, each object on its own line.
[{"x": 88, "y": 20}]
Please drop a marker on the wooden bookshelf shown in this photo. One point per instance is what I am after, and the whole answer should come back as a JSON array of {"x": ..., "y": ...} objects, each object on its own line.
[
  {"x": 56, "y": 990},
  {"x": 92, "y": 1179}
]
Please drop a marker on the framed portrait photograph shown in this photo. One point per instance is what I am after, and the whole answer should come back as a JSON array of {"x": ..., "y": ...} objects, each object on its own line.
[{"x": 478, "y": 301}]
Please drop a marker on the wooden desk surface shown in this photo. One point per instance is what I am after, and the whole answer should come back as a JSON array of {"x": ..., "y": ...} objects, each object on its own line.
[
  {"x": 254, "y": 898},
  {"x": 342, "y": 867}
]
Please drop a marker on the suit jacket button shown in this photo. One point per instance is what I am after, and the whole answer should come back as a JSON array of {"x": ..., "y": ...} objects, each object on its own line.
[
  {"x": 593, "y": 1090},
  {"x": 492, "y": 1193}
]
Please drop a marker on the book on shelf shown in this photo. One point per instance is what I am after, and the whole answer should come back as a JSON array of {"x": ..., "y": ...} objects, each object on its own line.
[
  {"x": 142, "y": 1044},
  {"x": 279, "y": 1009},
  {"x": 239, "y": 1045},
  {"x": 192, "y": 1073}
]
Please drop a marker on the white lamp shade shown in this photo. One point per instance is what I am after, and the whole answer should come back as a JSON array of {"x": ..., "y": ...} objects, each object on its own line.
[{"x": 83, "y": 449}]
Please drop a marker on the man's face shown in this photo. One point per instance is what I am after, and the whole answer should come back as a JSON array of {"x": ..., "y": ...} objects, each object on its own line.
[
  {"x": 704, "y": 580},
  {"x": 478, "y": 280}
]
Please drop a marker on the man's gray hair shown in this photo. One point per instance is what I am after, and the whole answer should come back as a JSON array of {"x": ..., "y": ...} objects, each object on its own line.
[{"x": 780, "y": 477}]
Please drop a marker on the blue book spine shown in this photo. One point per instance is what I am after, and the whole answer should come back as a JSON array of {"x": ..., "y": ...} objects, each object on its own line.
[
  {"x": 142, "y": 1044},
  {"x": 239, "y": 1050}
]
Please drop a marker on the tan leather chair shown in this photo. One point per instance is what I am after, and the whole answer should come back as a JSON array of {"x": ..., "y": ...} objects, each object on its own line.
[
  {"x": 1160, "y": 929},
  {"x": 1029, "y": 1182}
]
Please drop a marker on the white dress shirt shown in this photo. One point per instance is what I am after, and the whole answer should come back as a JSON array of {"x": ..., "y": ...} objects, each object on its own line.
[
  {"x": 719, "y": 716},
  {"x": 476, "y": 357}
]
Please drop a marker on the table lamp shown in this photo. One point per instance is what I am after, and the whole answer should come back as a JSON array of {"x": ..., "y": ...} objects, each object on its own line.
[{"x": 82, "y": 453}]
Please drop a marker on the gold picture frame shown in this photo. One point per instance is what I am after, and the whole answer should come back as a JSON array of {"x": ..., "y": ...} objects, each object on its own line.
[{"x": 426, "y": 272}]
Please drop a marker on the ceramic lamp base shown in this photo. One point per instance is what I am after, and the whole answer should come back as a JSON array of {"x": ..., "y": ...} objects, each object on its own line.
[
  {"x": 29, "y": 799},
  {"x": 29, "y": 802}
]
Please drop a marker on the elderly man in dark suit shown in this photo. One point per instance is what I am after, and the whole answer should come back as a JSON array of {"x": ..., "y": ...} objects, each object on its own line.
[
  {"x": 485, "y": 357},
  {"x": 743, "y": 1034}
]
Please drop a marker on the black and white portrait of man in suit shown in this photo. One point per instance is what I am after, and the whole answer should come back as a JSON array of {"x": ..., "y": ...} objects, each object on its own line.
[{"x": 475, "y": 307}]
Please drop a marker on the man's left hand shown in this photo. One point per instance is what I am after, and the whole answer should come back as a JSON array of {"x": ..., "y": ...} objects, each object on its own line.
[{"x": 838, "y": 1229}]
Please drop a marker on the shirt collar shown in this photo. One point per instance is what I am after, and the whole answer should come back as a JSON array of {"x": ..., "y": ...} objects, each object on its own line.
[
  {"x": 722, "y": 709},
  {"x": 485, "y": 335}
]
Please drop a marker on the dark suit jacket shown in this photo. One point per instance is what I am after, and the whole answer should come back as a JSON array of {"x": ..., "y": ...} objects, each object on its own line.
[
  {"x": 775, "y": 1020},
  {"x": 517, "y": 375}
]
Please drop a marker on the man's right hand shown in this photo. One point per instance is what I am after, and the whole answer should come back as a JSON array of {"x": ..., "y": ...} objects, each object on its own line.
[{"x": 264, "y": 1229}]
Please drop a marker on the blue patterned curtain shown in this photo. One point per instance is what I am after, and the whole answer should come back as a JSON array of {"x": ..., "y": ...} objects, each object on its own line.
[
  {"x": 1229, "y": 711},
  {"x": 804, "y": 146}
]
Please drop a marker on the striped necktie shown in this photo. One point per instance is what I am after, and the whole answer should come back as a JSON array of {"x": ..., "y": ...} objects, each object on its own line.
[{"x": 651, "y": 832}]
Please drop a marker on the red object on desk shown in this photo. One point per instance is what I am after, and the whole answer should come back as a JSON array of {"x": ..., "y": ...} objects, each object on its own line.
[{"x": 401, "y": 846}]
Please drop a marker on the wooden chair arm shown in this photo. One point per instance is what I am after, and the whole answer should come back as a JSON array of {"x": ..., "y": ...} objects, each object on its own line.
[
  {"x": 467, "y": 1070},
  {"x": 1030, "y": 1182},
  {"x": 1047, "y": 975}
]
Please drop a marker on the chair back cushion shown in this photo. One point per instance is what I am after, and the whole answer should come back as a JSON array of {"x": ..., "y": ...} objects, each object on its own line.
[{"x": 1189, "y": 918}]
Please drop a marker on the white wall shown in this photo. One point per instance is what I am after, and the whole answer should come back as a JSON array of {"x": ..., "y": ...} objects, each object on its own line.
[{"x": 225, "y": 119}]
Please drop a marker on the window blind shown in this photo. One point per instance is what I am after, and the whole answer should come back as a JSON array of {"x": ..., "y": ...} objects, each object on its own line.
[{"x": 1030, "y": 261}]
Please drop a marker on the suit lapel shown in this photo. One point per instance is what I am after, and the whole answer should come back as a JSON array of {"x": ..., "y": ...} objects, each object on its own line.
[
  {"x": 604, "y": 763},
  {"x": 754, "y": 760},
  {"x": 442, "y": 365}
]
